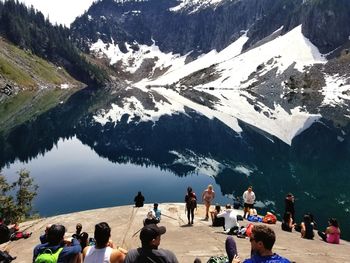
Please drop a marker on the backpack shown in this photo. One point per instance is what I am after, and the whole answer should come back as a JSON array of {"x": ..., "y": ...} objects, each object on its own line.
[
  {"x": 218, "y": 259},
  {"x": 270, "y": 218},
  {"x": 47, "y": 256},
  {"x": 5, "y": 257},
  {"x": 191, "y": 201}
]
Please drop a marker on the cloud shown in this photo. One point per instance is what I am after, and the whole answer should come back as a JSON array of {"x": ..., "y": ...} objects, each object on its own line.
[{"x": 60, "y": 11}]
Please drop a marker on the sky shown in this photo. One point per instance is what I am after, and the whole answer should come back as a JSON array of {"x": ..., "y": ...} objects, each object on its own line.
[{"x": 60, "y": 11}]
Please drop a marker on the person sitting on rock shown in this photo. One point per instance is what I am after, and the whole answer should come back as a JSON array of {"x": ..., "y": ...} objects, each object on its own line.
[
  {"x": 230, "y": 217},
  {"x": 139, "y": 200},
  {"x": 307, "y": 229},
  {"x": 68, "y": 250},
  {"x": 150, "y": 219},
  {"x": 157, "y": 211},
  {"x": 103, "y": 250},
  {"x": 43, "y": 237},
  {"x": 262, "y": 240},
  {"x": 332, "y": 233},
  {"x": 215, "y": 220},
  {"x": 78, "y": 229},
  {"x": 149, "y": 251},
  {"x": 287, "y": 222}
]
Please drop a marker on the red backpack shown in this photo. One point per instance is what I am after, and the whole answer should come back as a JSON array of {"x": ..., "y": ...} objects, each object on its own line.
[{"x": 270, "y": 218}]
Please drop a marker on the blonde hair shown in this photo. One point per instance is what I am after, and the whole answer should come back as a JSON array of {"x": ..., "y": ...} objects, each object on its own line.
[{"x": 210, "y": 187}]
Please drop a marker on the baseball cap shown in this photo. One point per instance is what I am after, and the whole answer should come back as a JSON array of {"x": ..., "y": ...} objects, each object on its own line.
[{"x": 150, "y": 232}]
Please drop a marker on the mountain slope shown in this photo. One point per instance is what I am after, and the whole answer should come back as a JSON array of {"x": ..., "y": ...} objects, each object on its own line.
[
  {"x": 259, "y": 62},
  {"x": 33, "y": 85}
]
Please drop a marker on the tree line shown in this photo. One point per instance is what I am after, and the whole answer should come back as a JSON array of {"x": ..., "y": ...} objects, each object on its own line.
[{"x": 30, "y": 30}]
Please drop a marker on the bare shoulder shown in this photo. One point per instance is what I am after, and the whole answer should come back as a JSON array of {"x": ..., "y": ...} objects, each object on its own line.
[{"x": 118, "y": 255}]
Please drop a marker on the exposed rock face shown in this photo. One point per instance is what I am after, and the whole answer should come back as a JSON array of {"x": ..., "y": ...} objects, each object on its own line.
[{"x": 211, "y": 27}]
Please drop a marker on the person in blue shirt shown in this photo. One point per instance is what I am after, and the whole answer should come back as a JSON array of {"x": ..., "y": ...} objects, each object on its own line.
[
  {"x": 55, "y": 240},
  {"x": 157, "y": 212},
  {"x": 262, "y": 240}
]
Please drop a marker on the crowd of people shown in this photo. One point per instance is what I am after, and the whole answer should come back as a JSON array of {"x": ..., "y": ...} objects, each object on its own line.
[{"x": 54, "y": 247}]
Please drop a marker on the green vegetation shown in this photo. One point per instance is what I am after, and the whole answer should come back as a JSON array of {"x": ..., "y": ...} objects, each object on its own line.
[
  {"x": 28, "y": 29},
  {"x": 17, "y": 207},
  {"x": 28, "y": 104},
  {"x": 14, "y": 73}
]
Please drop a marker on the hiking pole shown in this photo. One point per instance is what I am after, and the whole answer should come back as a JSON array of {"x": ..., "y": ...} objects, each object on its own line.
[
  {"x": 136, "y": 232},
  {"x": 171, "y": 217}
]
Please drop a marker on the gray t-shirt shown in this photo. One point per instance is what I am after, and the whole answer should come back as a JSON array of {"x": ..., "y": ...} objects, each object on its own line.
[{"x": 150, "y": 256}]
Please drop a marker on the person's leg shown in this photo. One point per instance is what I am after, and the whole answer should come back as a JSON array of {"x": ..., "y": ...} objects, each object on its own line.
[
  {"x": 188, "y": 215},
  {"x": 192, "y": 214},
  {"x": 231, "y": 248},
  {"x": 207, "y": 206},
  {"x": 322, "y": 235},
  {"x": 245, "y": 210}
]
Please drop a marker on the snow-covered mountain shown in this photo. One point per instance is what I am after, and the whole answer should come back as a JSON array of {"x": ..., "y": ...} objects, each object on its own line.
[{"x": 276, "y": 65}]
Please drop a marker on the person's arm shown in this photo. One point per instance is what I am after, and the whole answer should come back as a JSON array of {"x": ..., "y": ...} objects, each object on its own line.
[
  {"x": 203, "y": 194},
  {"x": 73, "y": 249},
  {"x": 86, "y": 249},
  {"x": 302, "y": 231},
  {"x": 244, "y": 196},
  {"x": 118, "y": 256}
]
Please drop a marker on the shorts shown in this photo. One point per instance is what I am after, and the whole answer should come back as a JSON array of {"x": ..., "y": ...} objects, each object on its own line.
[{"x": 248, "y": 205}]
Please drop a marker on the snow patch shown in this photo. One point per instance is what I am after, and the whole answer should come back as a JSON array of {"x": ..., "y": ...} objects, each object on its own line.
[
  {"x": 65, "y": 86},
  {"x": 202, "y": 165},
  {"x": 195, "y": 5},
  {"x": 133, "y": 58},
  {"x": 336, "y": 91},
  {"x": 243, "y": 170}
]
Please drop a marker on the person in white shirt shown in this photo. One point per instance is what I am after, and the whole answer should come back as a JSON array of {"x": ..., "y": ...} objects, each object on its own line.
[
  {"x": 230, "y": 217},
  {"x": 103, "y": 251},
  {"x": 249, "y": 199}
]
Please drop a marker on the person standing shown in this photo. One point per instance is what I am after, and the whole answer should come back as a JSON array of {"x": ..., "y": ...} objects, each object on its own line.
[
  {"x": 208, "y": 196},
  {"x": 289, "y": 205},
  {"x": 191, "y": 204},
  {"x": 149, "y": 251},
  {"x": 249, "y": 199},
  {"x": 139, "y": 199}
]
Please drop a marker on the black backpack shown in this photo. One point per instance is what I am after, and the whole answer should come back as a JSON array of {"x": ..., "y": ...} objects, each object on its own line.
[{"x": 5, "y": 257}]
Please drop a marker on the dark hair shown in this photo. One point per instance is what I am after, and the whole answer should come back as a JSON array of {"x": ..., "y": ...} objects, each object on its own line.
[
  {"x": 155, "y": 204},
  {"x": 84, "y": 237},
  {"x": 55, "y": 234},
  {"x": 217, "y": 208},
  {"x": 287, "y": 216},
  {"x": 189, "y": 189},
  {"x": 102, "y": 234},
  {"x": 307, "y": 218},
  {"x": 264, "y": 234},
  {"x": 333, "y": 222},
  {"x": 228, "y": 206}
]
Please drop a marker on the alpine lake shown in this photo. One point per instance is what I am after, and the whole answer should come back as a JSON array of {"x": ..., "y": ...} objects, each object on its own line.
[{"x": 79, "y": 164}]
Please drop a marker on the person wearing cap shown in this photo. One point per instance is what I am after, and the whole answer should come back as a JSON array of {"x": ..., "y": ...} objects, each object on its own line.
[{"x": 149, "y": 251}]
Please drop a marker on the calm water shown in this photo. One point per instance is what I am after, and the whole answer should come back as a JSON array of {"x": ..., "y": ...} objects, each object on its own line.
[
  {"x": 73, "y": 177},
  {"x": 79, "y": 164}
]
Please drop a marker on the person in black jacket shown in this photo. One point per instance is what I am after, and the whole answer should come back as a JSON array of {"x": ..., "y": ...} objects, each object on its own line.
[
  {"x": 289, "y": 205},
  {"x": 139, "y": 199}
]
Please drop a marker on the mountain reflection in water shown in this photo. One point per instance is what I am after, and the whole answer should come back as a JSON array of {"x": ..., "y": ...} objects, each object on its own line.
[{"x": 135, "y": 156}]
